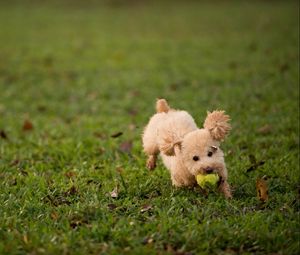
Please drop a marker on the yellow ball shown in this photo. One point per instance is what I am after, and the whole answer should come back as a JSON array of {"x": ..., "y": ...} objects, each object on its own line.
[{"x": 207, "y": 181}]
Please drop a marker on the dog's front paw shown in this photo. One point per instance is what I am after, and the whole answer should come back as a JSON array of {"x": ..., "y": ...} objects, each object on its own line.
[
  {"x": 151, "y": 162},
  {"x": 228, "y": 195},
  {"x": 225, "y": 189}
]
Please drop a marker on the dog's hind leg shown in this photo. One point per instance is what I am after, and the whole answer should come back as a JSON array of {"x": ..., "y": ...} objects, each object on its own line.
[
  {"x": 150, "y": 147},
  {"x": 150, "y": 133},
  {"x": 151, "y": 162}
]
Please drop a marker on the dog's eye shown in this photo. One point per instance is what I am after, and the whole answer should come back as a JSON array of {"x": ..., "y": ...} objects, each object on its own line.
[
  {"x": 209, "y": 154},
  {"x": 195, "y": 158}
]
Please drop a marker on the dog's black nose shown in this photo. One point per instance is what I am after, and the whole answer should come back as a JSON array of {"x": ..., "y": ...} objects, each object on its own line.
[{"x": 209, "y": 170}]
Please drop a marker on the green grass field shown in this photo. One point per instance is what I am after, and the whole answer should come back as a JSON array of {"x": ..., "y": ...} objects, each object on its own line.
[{"x": 74, "y": 74}]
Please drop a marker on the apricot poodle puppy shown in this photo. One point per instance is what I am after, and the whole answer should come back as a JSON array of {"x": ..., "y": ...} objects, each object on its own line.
[{"x": 185, "y": 149}]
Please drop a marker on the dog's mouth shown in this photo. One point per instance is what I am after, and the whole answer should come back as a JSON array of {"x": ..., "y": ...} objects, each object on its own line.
[
  {"x": 216, "y": 169},
  {"x": 212, "y": 170},
  {"x": 209, "y": 170}
]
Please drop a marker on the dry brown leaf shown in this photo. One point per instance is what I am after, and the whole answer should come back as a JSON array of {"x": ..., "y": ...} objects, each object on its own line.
[
  {"x": 254, "y": 163},
  {"x": 3, "y": 134},
  {"x": 169, "y": 248},
  {"x": 54, "y": 216},
  {"x": 70, "y": 174},
  {"x": 127, "y": 249},
  {"x": 262, "y": 189},
  {"x": 114, "y": 193},
  {"x": 115, "y": 135},
  {"x": 14, "y": 162},
  {"x": 264, "y": 130},
  {"x": 23, "y": 172},
  {"x": 75, "y": 223},
  {"x": 111, "y": 207},
  {"x": 100, "y": 135},
  {"x": 146, "y": 208},
  {"x": 25, "y": 239},
  {"x": 101, "y": 150},
  {"x": 120, "y": 169},
  {"x": 72, "y": 191},
  {"x": 126, "y": 146},
  {"x": 148, "y": 240},
  {"x": 27, "y": 125}
]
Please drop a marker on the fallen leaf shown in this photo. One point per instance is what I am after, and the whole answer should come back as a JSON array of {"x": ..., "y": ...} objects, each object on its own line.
[
  {"x": 147, "y": 240},
  {"x": 91, "y": 181},
  {"x": 14, "y": 162},
  {"x": 98, "y": 167},
  {"x": 169, "y": 248},
  {"x": 262, "y": 189},
  {"x": 114, "y": 193},
  {"x": 264, "y": 130},
  {"x": 232, "y": 250},
  {"x": 27, "y": 125},
  {"x": 70, "y": 174},
  {"x": 56, "y": 200},
  {"x": 14, "y": 182},
  {"x": 72, "y": 191},
  {"x": 103, "y": 248},
  {"x": 3, "y": 134},
  {"x": 101, "y": 150},
  {"x": 229, "y": 152},
  {"x": 23, "y": 172},
  {"x": 127, "y": 249},
  {"x": 126, "y": 146},
  {"x": 25, "y": 239},
  {"x": 115, "y": 135},
  {"x": 111, "y": 207},
  {"x": 120, "y": 169},
  {"x": 100, "y": 135},
  {"x": 75, "y": 223},
  {"x": 255, "y": 166},
  {"x": 146, "y": 208},
  {"x": 54, "y": 216}
]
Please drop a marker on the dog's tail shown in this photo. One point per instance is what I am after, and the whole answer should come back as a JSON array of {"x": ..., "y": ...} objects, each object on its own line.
[{"x": 162, "y": 106}]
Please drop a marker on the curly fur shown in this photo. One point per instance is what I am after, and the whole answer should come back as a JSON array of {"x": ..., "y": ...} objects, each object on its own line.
[
  {"x": 217, "y": 124},
  {"x": 175, "y": 135}
]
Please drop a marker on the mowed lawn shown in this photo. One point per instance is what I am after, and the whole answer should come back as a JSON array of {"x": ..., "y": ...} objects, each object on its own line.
[{"x": 78, "y": 82}]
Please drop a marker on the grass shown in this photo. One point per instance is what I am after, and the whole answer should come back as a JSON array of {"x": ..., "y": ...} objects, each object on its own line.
[{"x": 80, "y": 73}]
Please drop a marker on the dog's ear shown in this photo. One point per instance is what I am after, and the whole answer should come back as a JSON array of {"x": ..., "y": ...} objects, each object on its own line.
[
  {"x": 170, "y": 148},
  {"x": 217, "y": 123},
  {"x": 169, "y": 140}
]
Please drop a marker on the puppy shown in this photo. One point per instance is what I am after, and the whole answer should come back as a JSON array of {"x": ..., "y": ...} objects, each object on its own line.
[{"x": 185, "y": 149}]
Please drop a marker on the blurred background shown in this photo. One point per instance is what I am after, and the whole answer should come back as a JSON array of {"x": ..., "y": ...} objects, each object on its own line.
[{"x": 91, "y": 58}]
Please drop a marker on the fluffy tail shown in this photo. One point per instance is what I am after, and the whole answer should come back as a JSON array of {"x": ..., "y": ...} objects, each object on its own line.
[{"x": 162, "y": 106}]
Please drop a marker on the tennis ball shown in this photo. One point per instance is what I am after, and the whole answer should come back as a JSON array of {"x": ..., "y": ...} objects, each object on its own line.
[{"x": 209, "y": 180}]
